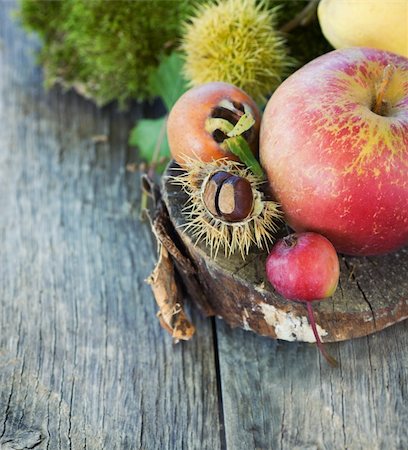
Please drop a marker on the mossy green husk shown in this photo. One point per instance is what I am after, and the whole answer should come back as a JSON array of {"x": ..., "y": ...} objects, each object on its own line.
[{"x": 108, "y": 48}]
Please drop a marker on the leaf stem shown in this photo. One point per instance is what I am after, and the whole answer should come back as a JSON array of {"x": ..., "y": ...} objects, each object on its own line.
[
  {"x": 159, "y": 142},
  {"x": 152, "y": 166}
]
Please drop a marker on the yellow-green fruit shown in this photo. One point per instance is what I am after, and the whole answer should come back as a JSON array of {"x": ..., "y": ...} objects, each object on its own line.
[
  {"x": 237, "y": 42},
  {"x": 379, "y": 24}
]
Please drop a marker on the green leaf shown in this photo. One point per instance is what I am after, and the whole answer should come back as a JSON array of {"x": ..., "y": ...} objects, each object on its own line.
[
  {"x": 149, "y": 135},
  {"x": 167, "y": 81},
  {"x": 239, "y": 147}
]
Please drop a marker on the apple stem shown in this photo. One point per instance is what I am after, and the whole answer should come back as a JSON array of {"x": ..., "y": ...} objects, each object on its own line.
[
  {"x": 319, "y": 343},
  {"x": 290, "y": 240},
  {"x": 387, "y": 74}
]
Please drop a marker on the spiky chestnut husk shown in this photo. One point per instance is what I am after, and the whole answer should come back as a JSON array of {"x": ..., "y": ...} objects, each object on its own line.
[
  {"x": 236, "y": 41},
  {"x": 257, "y": 229}
]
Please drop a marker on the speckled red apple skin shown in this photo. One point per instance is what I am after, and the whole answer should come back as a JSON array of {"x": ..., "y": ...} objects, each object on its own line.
[
  {"x": 186, "y": 131},
  {"x": 306, "y": 271},
  {"x": 335, "y": 166}
]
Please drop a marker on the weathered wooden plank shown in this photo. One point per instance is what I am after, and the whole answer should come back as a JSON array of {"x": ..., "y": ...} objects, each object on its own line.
[
  {"x": 283, "y": 395},
  {"x": 83, "y": 361}
]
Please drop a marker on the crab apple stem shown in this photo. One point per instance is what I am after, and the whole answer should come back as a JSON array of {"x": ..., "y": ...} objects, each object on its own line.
[
  {"x": 388, "y": 72},
  {"x": 319, "y": 344}
]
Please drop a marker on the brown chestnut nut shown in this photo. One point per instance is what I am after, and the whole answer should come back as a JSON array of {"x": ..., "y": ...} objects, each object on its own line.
[
  {"x": 211, "y": 191},
  {"x": 235, "y": 199},
  {"x": 228, "y": 197}
]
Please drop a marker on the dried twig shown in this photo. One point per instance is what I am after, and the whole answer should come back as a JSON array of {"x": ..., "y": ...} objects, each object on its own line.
[{"x": 305, "y": 16}]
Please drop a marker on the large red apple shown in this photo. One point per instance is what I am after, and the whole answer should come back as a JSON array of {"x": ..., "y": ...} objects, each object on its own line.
[{"x": 334, "y": 145}]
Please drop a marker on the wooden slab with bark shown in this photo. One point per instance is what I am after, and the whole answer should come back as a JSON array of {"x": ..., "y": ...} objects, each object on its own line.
[{"x": 372, "y": 293}]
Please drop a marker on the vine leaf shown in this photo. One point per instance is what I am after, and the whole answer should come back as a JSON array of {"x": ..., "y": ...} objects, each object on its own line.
[
  {"x": 149, "y": 135},
  {"x": 168, "y": 80}
]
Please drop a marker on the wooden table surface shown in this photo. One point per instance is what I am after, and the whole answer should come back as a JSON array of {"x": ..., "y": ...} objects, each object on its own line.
[{"x": 84, "y": 363}]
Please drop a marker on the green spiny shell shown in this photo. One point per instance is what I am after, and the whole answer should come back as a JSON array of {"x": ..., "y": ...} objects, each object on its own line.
[{"x": 236, "y": 41}]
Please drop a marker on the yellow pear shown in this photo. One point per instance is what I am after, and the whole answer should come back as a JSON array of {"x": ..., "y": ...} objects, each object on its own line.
[{"x": 379, "y": 24}]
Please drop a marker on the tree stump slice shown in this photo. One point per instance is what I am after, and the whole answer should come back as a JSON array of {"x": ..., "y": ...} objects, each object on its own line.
[{"x": 372, "y": 292}]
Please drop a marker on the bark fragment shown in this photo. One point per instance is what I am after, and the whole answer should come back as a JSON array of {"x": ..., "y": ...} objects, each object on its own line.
[
  {"x": 165, "y": 284},
  {"x": 169, "y": 298}
]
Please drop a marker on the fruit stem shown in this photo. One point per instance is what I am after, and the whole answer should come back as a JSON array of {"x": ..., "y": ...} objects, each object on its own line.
[
  {"x": 319, "y": 343},
  {"x": 290, "y": 240},
  {"x": 381, "y": 89}
]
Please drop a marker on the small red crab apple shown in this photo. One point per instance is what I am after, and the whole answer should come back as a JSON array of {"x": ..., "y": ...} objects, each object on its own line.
[{"x": 305, "y": 267}]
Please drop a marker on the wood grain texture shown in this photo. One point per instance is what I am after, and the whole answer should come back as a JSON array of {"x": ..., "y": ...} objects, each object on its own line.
[
  {"x": 372, "y": 293},
  {"x": 283, "y": 395},
  {"x": 83, "y": 360}
]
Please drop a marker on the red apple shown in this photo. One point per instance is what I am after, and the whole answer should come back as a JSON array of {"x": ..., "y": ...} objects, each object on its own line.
[
  {"x": 303, "y": 267},
  {"x": 334, "y": 145}
]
